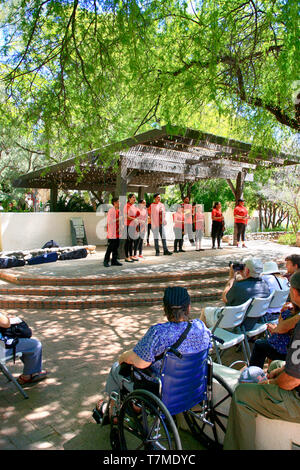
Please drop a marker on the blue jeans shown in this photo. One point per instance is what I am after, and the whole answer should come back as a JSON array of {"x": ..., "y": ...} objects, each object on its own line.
[{"x": 31, "y": 350}]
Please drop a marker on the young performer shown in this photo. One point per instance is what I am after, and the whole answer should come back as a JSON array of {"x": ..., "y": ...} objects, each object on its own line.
[
  {"x": 178, "y": 218},
  {"x": 158, "y": 222},
  {"x": 131, "y": 214},
  {"x": 113, "y": 235},
  {"x": 142, "y": 225},
  {"x": 198, "y": 221},
  {"x": 217, "y": 225},
  {"x": 241, "y": 219}
]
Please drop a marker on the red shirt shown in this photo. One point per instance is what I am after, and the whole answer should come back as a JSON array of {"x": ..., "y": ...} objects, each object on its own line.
[
  {"x": 113, "y": 223},
  {"x": 187, "y": 213},
  {"x": 241, "y": 211},
  {"x": 178, "y": 218},
  {"x": 216, "y": 213},
  {"x": 157, "y": 212},
  {"x": 199, "y": 220},
  {"x": 130, "y": 210}
]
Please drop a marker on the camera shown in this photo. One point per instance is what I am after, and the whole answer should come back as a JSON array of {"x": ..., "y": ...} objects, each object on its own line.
[{"x": 236, "y": 266}]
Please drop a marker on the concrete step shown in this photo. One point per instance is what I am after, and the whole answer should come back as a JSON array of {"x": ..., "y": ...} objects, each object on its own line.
[
  {"x": 106, "y": 279},
  {"x": 114, "y": 289},
  {"x": 101, "y": 301}
]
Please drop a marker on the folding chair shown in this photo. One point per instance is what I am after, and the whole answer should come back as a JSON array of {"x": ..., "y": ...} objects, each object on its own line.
[
  {"x": 230, "y": 318},
  {"x": 257, "y": 309},
  {"x": 4, "y": 358}
]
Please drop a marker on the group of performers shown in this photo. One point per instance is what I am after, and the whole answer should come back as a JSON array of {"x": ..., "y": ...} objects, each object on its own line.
[{"x": 136, "y": 221}]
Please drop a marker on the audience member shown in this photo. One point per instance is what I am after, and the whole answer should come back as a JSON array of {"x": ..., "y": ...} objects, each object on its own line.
[
  {"x": 275, "y": 281},
  {"x": 242, "y": 285},
  {"x": 148, "y": 350},
  {"x": 292, "y": 263},
  {"x": 275, "y": 346},
  {"x": 279, "y": 398},
  {"x": 31, "y": 350}
]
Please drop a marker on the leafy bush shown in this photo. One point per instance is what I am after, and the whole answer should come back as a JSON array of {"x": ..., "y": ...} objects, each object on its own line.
[{"x": 287, "y": 239}]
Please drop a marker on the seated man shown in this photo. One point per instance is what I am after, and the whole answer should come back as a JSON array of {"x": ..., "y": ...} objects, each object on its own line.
[
  {"x": 158, "y": 338},
  {"x": 279, "y": 398},
  {"x": 242, "y": 286},
  {"x": 292, "y": 264}
]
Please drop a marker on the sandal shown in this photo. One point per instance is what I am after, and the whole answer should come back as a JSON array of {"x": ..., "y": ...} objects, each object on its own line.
[
  {"x": 33, "y": 378},
  {"x": 99, "y": 412}
]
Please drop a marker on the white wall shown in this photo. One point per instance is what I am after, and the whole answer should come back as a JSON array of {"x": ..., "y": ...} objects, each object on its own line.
[{"x": 30, "y": 230}]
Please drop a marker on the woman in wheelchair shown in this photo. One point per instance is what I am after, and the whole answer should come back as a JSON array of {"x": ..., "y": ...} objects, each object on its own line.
[{"x": 138, "y": 403}]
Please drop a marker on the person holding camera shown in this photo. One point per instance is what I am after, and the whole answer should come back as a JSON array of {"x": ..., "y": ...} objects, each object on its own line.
[{"x": 244, "y": 283}]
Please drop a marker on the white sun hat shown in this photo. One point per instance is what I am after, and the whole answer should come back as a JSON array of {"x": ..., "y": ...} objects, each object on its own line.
[{"x": 270, "y": 267}]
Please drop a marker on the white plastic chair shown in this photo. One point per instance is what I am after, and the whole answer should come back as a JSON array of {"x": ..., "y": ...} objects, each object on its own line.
[
  {"x": 257, "y": 309},
  {"x": 230, "y": 318},
  {"x": 278, "y": 301},
  {"x": 4, "y": 358}
]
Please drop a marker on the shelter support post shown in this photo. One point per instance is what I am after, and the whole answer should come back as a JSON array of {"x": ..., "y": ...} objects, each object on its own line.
[
  {"x": 121, "y": 190},
  {"x": 53, "y": 198}
]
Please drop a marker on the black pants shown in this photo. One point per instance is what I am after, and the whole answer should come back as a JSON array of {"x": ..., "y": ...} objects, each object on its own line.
[
  {"x": 112, "y": 249},
  {"x": 262, "y": 349},
  {"x": 129, "y": 244},
  {"x": 216, "y": 232},
  {"x": 138, "y": 243},
  {"x": 178, "y": 242},
  {"x": 241, "y": 229},
  {"x": 148, "y": 232}
]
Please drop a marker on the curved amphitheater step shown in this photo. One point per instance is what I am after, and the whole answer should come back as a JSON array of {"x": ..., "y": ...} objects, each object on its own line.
[{"x": 95, "y": 292}]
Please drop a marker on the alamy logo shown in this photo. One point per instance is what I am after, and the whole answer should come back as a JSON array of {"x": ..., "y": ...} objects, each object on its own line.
[{"x": 295, "y": 357}]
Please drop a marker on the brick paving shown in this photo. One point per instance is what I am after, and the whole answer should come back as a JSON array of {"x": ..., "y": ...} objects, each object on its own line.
[{"x": 79, "y": 347}]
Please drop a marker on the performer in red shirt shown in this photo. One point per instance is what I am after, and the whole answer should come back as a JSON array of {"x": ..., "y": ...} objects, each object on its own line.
[
  {"x": 217, "y": 227},
  {"x": 141, "y": 228},
  {"x": 241, "y": 219},
  {"x": 131, "y": 214},
  {"x": 178, "y": 218},
  {"x": 113, "y": 235},
  {"x": 198, "y": 220},
  {"x": 158, "y": 222},
  {"x": 188, "y": 219}
]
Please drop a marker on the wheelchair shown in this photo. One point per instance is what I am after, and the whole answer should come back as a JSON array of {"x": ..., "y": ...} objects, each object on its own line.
[{"x": 147, "y": 420}]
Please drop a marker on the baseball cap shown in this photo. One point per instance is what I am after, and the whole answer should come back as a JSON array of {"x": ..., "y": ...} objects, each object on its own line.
[
  {"x": 176, "y": 296},
  {"x": 252, "y": 374},
  {"x": 270, "y": 267},
  {"x": 254, "y": 265}
]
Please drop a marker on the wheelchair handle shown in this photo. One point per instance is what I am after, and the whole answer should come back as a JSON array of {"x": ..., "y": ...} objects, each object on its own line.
[{"x": 219, "y": 340}]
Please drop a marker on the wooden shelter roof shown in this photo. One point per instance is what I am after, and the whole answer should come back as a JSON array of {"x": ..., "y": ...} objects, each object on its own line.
[{"x": 153, "y": 159}]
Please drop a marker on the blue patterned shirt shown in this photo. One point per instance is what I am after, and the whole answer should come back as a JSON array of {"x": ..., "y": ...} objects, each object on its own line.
[{"x": 163, "y": 335}]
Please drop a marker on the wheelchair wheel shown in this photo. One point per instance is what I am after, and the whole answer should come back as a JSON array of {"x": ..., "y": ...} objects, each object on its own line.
[
  {"x": 211, "y": 431},
  {"x": 146, "y": 424}
]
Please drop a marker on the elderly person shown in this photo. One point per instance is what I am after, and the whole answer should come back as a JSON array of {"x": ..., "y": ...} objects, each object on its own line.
[
  {"x": 31, "y": 350},
  {"x": 242, "y": 286},
  {"x": 279, "y": 398},
  {"x": 158, "y": 338},
  {"x": 275, "y": 282}
]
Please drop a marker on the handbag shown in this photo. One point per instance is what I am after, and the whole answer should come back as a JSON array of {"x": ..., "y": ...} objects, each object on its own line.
[{"x": 10, "y": 336}]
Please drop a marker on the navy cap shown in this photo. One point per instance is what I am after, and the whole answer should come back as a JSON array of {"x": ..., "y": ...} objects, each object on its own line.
[{"x": 176, "y": 296}]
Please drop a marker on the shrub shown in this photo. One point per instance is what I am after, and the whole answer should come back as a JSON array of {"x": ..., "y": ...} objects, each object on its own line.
[{"x": 287, "y": 239}]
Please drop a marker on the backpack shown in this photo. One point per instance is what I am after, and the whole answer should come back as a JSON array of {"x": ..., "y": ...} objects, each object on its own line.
[
  {"x": 76, "y": 254},
  {"x": 50, "y": 244}
]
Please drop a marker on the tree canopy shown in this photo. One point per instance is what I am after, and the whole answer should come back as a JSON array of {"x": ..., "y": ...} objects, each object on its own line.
[{"x": 82, "y": 72}]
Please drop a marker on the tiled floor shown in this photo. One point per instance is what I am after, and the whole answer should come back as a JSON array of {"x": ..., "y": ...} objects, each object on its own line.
[{"x": 79, "y": 347}]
